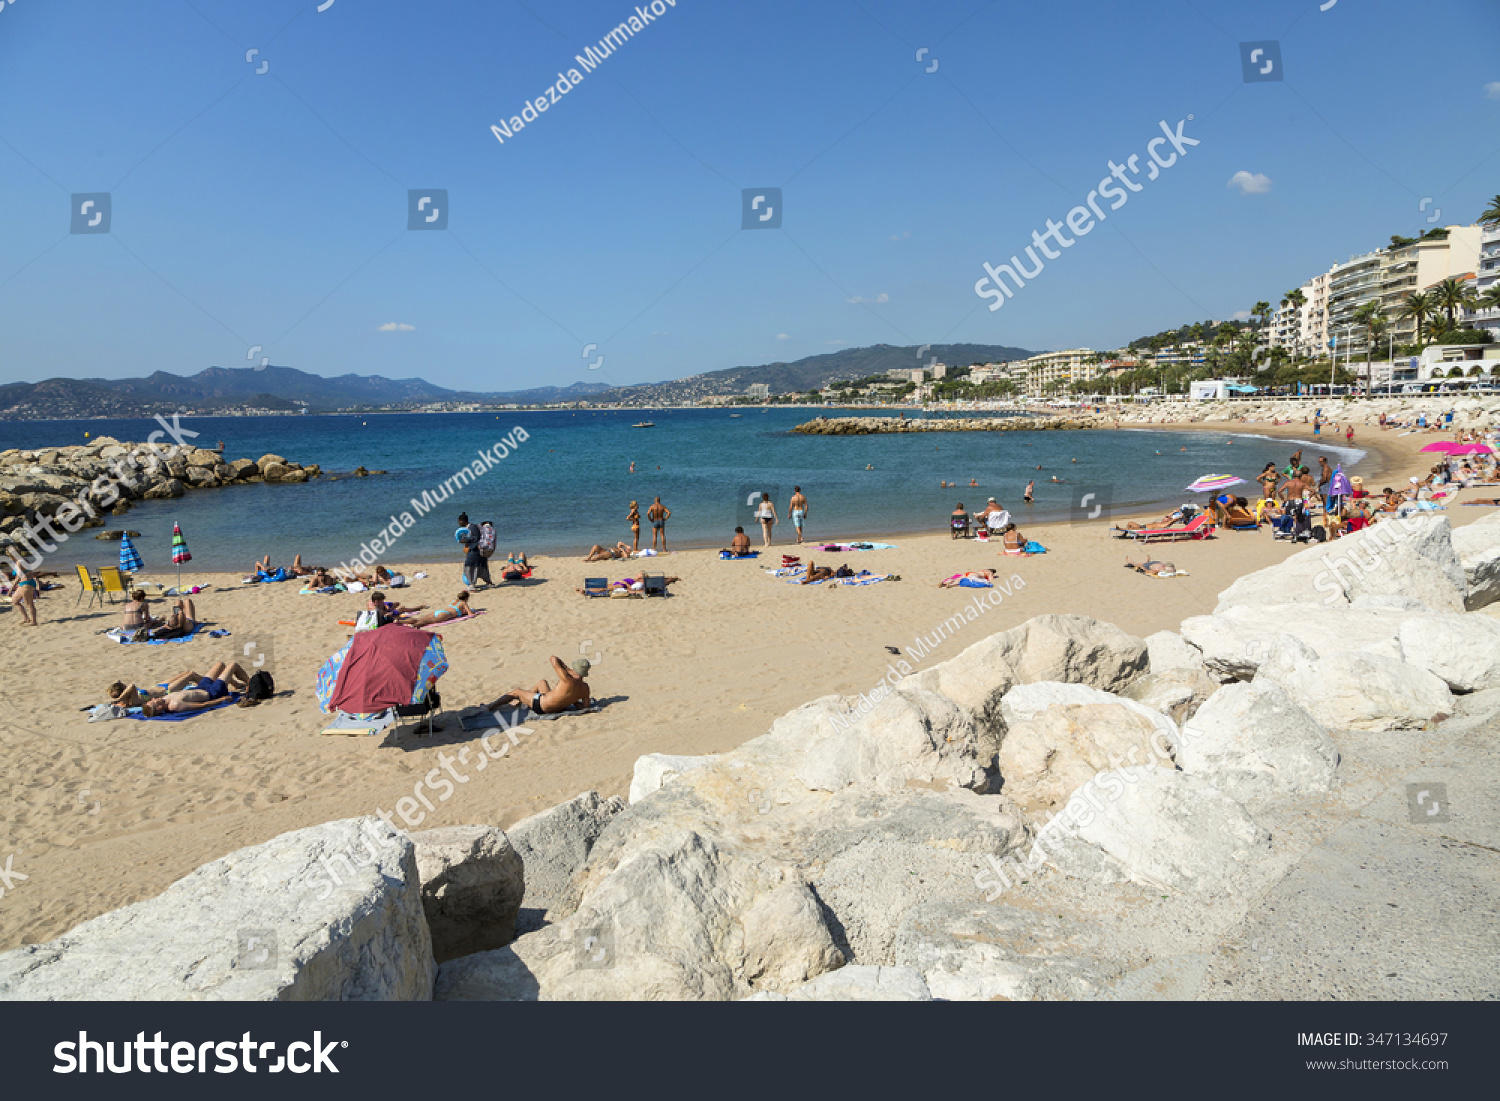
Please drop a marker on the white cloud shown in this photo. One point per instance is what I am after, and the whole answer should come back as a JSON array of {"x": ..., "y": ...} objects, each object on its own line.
[
  {"x": 902, "y": 236},
  {"x": 783, "y": 336},
  {"x": 395, "y": 327},
  {"x": 877, "y": 300},
  {"x": 1492, "y": 90},
  {"x": 1250, "y": 183},
  {"x": 1240, "y": 315}
]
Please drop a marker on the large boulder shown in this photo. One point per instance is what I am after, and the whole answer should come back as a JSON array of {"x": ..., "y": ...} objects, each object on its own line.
[
  {"x": 1405, "y": 564},
  {"x": 328, "y": 913},
  {"x": 472, "y": 883},
  {"x": 164, "y": 490},
  {"x": 1045, "y": 758},
  {"x": 553, "y": 845},
  {"x": 1463, "y": 650},
  {"x": 1252, "y": 741},
  {"x": 267, "y": 460},
  {"x": 1236, "y": 640},
  {"x": 655, "y": 769},
  {"x": 201, "y": 476},
  {"x": 198, "y": 456},
  {"x": 1363, "y": 691},
  {"x": 1478, "y": 550},
  {"x": 909, "y": 735},
  {"x": 273, "y": 472},
  {"x": 1176, "y": 692},
  {"x": 1070, "y": 648},
  {"x": 1027, "y": 701},
  {"x": 1172, "y": 829},
  {"x": 681, "y": 919},
  {"x": 244, "y": 468},
  {"x": 1168, "y": 650}
]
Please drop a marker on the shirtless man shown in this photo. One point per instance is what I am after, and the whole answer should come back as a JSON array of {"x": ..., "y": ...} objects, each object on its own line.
[
  {"x": 658, "y": 514},
  {"x": 599, "y": 553},
  {"x": 572, "y": 690},
  {"x": 798, "y": 510},
  {"x": 186, "y": 692},
  {"x": 740, "y": 544},
  {"x": 181, "y": 622}
]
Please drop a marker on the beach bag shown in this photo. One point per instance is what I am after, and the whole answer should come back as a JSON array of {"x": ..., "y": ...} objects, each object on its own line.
[
  {"x": 261, "y": 687},
  {"x": 368, "y": 620},
  {"x": 487, "y": 540},
  {"x": 1033, "y": 547}
]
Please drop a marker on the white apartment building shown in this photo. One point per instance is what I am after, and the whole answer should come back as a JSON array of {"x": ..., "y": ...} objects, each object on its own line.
[
  {"x": 758, "y": 390},
  {"x": 1487, "y": 277},
  {"x": 1312, "y": 334},
  {"x": 1069, "y": 366}
]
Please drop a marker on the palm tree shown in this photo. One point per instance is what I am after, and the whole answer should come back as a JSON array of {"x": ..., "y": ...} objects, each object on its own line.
[
  {"x": 1491, "y": 214},
  {"x": 1419, "y": 307},
  {"x": 1490, "y": 299},
  {"x": 1452, "y": 296}
]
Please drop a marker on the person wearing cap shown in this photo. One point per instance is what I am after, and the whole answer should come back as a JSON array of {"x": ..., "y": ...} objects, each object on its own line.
[{"x": 572, "y": 691}]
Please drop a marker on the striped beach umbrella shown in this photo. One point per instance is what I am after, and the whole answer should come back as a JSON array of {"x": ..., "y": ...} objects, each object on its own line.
[
  {"x": 130, "y": 558},
  {"x": 1210, "y": 482},
  {"x": 180, "y": 552}
]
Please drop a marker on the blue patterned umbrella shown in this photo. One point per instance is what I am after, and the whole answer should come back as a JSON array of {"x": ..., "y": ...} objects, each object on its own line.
[{"x": 130, "y": 558}]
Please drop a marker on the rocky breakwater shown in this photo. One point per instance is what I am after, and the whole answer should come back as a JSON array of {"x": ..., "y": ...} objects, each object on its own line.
[
  {"x": 47, "y": 493},
  {"x": 1062, "y": 811},
  {"x": 868, "y": 426}
]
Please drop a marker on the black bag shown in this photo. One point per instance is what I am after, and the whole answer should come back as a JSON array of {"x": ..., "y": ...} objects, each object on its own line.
[{"x": 261, "y": 687}]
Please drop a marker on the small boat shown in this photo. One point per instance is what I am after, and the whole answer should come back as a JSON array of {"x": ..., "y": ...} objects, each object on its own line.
[
  {"x": 733, "y": 415},
  {"x": 644, "y": 424}
]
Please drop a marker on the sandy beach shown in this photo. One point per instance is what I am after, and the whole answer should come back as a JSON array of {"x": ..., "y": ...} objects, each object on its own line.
[{"x": 101, "y": 815}]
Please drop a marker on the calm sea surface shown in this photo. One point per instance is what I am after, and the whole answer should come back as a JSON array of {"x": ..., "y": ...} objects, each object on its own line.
[{"x": 569, "y": 486}]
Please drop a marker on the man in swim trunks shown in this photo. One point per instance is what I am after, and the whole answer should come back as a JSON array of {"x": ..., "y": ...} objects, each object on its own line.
[
  {"x": 658, "y": 514},
  {"x": 572, "y": 690},
  {"x": 188, "y": 692},
  {"x": 798, "y": 510}
]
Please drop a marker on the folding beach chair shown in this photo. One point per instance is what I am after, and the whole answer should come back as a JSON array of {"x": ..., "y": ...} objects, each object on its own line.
[
  {"x": 654, "y": 584},
  {"x": 1200, "y": 528},
  {"x": 91, "y": 585},
  {"x": 596, "y": 586},
  {"x": 113, "y": 581},
  {"x": 959, "y": 526}
]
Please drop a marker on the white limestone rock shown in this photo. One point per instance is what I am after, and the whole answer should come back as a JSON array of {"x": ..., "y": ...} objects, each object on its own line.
[
  {"x": 655, "y": 769},
  {"x": 857, "y": 983},
  {"x": 1172, "y": 829},
  {"x": 553, "y": 846},
  {"x": 1252, "y": 741},
  {"x": 328, "y": 913},
  {"x": 1168, "y": 650},
  {"x": 472, "y": 883},
  {"x": 1236, "y": 640},
  {"x": 1363, "y": 691},
  {"x": 1462, "y": 650},
  {"x": 1046, "y": 757},
  {"x": 909, "y": 735},
  {"x": 1478, "y": 548}
]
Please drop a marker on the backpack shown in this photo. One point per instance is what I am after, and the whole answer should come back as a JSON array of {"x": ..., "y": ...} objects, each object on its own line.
[
  {"x": 487, "y": 540},
  {"x": 261, "y": 687}
]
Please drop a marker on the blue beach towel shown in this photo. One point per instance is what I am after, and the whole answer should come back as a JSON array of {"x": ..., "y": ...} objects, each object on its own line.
[
  {"x": 123, "y": 635},
  {"x": 180, "y": 716},
  {"x": 726, "y": 554}
]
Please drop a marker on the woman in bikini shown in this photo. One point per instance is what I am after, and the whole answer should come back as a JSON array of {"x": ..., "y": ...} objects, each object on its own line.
[
  {"x": 24, "y": 596},
  {"x": 1269, "y": 480},
  {"x": 765, "y": 512},
  {"x": 600, "y": 553},
  {"x": 457, "y": 610},
  {"x": 634, "y": 516},
  {"x": 138, "y": 612}
]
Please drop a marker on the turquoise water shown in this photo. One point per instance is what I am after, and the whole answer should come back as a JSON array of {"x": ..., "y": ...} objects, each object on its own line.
[{"x": 569, "y": 486}]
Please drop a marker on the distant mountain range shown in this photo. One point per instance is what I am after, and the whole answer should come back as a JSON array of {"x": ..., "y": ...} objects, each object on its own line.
[{"x": 286, "y": 389}]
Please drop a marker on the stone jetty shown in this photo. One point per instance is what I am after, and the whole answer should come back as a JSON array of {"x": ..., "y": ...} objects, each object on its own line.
[
  {"x": 869, "y": 426},
  {"x": 75, "y": 487}
]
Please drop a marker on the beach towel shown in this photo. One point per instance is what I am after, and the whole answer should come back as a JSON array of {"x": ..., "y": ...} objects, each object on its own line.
[
  {"x": 127, "y": 636},
  {"x": 509, "y": 718},
  {"x": 279, "y": 574},
  {"x": 750, "y": 554},
  {"x": 328, "y": 590},
  {"x": 835, "y": 547},
  {"x": 1033, "y": 547},
  {"x": 974, "y": 583},
  {"x": 180, "y": 716}
]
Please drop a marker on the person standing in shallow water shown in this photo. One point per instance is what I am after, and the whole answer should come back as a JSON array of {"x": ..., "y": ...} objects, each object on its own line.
[{"x": 1030, "y": 486}]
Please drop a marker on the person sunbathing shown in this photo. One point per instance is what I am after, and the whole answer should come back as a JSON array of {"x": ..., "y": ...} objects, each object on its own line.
[
  {"x": 600, "y": 553},
  {"x": 180, "y": 623},
  {"x": 1171, "y": 519},
  {"x": 1012, "y": 541},
  {"x": 982, "y": 577},
  {"x": 457, "y": 610},
  {"x": 815, "y": 573},
  {"x": 739, "y": 545},
  {"x": 1156, "y": 569},
  {"x": 129, "y": 695},
  {"x": 221, "y": 681},
  {"x": 138, "y": 614},
  {"x": 1239, "y": 513},
  {"x": 572, "y": 691},
  {"x": 516, "y": 567},
  {"x": 388, "y": 611}
]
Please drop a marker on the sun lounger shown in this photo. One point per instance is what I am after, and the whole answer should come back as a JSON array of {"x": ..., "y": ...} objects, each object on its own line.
[
  {"x": 654, "y": 584},
  {"x": 354, "y": 725},
  {"x": 596, "y": 586},
  {"x": 1201, "y": 528}
]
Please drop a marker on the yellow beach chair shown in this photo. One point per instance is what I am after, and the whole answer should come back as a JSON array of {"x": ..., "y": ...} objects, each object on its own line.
[
  {"x": 114, "y": 581},
  {"x": 91, "y": 585}
]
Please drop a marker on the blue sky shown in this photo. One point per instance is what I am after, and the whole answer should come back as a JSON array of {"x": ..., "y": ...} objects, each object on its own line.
[{"x": 270, "y": 209}]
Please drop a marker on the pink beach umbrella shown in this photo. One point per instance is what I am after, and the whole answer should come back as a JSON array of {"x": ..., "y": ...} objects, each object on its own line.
[{"x": 1445, "y": 446}]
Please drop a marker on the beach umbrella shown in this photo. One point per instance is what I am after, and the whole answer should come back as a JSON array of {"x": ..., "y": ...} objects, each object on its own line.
[
  {"x": 130, "y": 558},
  {"x": 180, "y": 552},
  {"x": 1210, "y": 482},
  {"x": 1339, "y": 485},
  {"x": 1473, "y": 449},
  {"x": 1447, "y": 446}
]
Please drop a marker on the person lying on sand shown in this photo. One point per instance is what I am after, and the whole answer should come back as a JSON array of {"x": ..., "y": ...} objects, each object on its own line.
[
  {"x": 1156, "y": 569},
  {"x": 740, "y": 544},
  {"x": 600, "y": 553},
  {"x": 221, "y": 681},
  {"x": 388, "y": 611},
  {"x": 458, "y": 609},
  {"x": 516, "y": 567},
  {"x": 181, "y": 622},
  {"x": 572, "y": 691},
  {"x": 815, "y": 573},
  {"x": 985, "y": 576}
]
